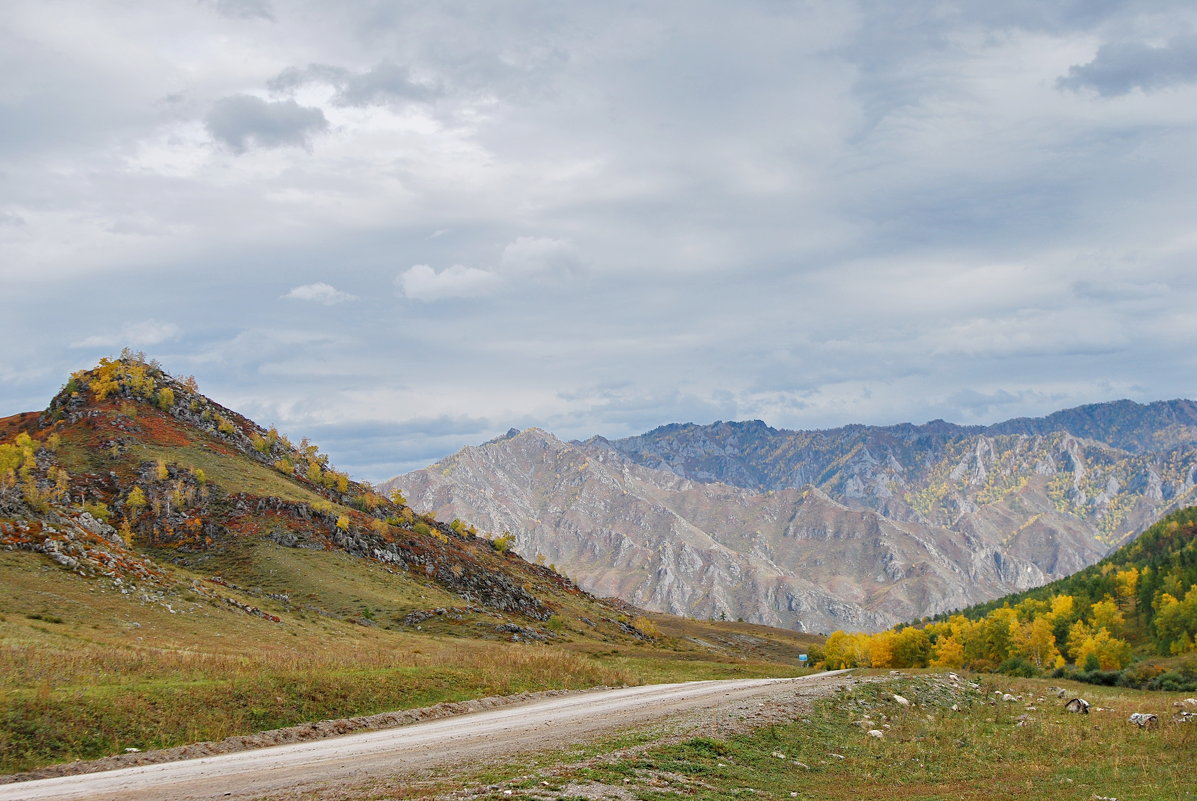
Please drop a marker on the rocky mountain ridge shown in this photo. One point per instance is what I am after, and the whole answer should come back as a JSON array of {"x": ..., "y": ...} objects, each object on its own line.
[{"x": 858, "y": 527}]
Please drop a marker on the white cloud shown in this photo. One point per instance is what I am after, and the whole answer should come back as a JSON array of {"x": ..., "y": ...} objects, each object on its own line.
[
  {"x": 421, "y": 282},
  {"x": 147, "y": 332},
  {"x": 320, "y": 292},
  {"x": 523, "y": 259},
  {"x": 531, "y": 256}
]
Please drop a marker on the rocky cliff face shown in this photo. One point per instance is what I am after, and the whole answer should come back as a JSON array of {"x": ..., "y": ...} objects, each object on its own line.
[{"x": 858, "y": 527}]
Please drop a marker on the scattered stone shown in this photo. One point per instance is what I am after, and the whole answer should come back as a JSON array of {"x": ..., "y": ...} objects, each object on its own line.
[
  {"x": 1186, "y": 702},
  {"x": 1144, "y": 720},
  {"x": 132, "y": 750},
  {"x": 1078, "y": 705},
  {"x": 778, "y": 755},
  {"x": 955, "y": 707},
  {"x": 1009, "y": 698},
  {"x": 836, "y": 756},
  {"x": 876, "y": 733},
  {"x": 901, "y": 701},
  {"x": 1185, "y": 717}
]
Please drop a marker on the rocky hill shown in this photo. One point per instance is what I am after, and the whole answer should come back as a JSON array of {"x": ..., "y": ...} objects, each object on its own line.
[
  {"x": 857, "y": 527},
  {"x": 135, "y": 480}
]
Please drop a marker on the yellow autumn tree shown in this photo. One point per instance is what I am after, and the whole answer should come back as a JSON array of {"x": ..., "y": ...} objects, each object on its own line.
[
  {"x": 948, "y": 652},
  {"x": 1176, "y": 621},
  {"x": 881, "y": 649},
  {"x": 1077, "y": 634},
  {"x": 1063, "y": 607},
  {"x": 1127, "y": 582},
  {"x": 1111, "y": 652},
  {"x": 911, "y": 648},
  {"x": 1106, "y": 615},
  {"x": 1037, "y": 643},
  {"x": 844, "y": 649},
  {"x": 135, "y": 502}
]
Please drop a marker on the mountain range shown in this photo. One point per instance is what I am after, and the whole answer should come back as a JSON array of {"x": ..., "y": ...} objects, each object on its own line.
[{"x": 858, "y": 527}]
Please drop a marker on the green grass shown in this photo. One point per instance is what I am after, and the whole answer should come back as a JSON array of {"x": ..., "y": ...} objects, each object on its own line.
[
  {"x": 86, "y": 671},
  {"x": 236, "y": 473},
  {"x": 660, "y": 669},
  {"x": 51, "y": 724},
  {"x": 929, "y": 751}
]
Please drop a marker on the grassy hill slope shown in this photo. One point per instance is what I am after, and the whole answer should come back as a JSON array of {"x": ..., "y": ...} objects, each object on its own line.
[{"x": 172, "y": 572}]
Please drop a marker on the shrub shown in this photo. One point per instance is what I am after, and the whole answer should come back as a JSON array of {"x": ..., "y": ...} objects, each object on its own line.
[
  {"x": 99, "y": 510},
  {"x": 1018, "y": 666},
  {"x": 1172, "y": 681},
  {"x": 646, "y": 627},
  {"x": 1108, "y": 678}
]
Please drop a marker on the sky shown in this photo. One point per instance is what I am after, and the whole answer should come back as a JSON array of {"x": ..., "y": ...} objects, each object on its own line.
[{"x": 402, "y": 228}]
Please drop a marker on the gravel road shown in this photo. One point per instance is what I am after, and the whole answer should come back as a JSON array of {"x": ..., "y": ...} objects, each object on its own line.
[{"x": 354, "y": 758}]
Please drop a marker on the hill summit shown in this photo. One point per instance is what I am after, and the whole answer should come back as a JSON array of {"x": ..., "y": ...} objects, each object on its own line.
[{"x": 134, "y": 477}]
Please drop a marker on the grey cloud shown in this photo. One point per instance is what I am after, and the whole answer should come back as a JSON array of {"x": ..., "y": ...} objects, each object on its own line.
[
  {"x": 243, "y": 9},
  {"x": 675, "y": 212},
  {"x": 1121, "y": 67},
  {"x": 383, "y": 84},
  {"x": 240, "y": 121}
]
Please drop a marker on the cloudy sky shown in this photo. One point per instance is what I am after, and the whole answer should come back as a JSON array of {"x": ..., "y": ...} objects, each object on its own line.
[{"x": 399, "y": 228}]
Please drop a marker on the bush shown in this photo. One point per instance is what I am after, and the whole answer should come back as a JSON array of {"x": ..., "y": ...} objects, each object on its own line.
[
  {"x": 1108, "y": 678},
  {"x": 1172, "y": 681},
  {"x": 1018, "y": 666}
]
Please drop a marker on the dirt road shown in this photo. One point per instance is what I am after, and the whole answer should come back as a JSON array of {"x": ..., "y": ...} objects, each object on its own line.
[{"x": 353, "y": 758}]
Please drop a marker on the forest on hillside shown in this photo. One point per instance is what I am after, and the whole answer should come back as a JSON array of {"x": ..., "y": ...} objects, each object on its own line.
[{"x": 1102, "y": 624}]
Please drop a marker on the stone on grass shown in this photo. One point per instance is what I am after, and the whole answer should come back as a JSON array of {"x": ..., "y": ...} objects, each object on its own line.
[
  {"x": 1144, "y": 720},
  {"x": 1078, "y": 705},
  {"x": 876, "y": 733},
  {"x": 902, "y": 701}
]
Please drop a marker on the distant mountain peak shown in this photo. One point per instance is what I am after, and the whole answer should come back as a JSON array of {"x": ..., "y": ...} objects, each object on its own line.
[{"x": 855, "y": 526}]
